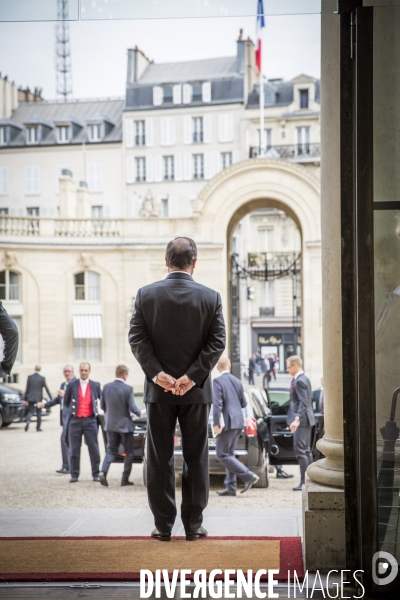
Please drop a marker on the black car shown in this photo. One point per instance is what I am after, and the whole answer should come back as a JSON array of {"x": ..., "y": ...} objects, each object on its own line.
[
  {"x": 139, "y": 433},
  {"x": 281, "y": 438},
  {"x": 11, "y": 405}
]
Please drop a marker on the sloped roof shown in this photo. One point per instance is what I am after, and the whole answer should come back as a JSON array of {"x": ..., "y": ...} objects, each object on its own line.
[
  {"x": 192, "y": 70},
  {"x": 78, "y": 111}
]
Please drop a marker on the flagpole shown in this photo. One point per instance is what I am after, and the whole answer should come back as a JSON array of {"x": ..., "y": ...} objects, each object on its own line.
[{"x": 262, "y": 136}]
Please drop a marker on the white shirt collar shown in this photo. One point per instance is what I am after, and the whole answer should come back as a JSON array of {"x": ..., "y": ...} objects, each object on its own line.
[
  {"x": 298, "y": 374},
  {"x": 120, "y": 379},
  {"x": 223, "y": 373},
  {"x": 84, "y": 381},
  {"x": 185, "y": 272}
]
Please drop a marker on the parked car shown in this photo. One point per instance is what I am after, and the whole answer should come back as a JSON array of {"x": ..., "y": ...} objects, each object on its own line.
[
  {"x": 139, "y": 434},
  {"x": 11, "y": 405}
]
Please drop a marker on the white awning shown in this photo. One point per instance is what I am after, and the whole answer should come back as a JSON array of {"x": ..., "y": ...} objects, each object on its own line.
[{"x": 87, "y": 327}]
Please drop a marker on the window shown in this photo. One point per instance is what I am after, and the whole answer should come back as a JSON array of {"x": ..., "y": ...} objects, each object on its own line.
[
  {"x": 3, "y": 211},
  {"x": 17, "y": 321},
  {"x": 197, "y": 93},
  {"x": 33, "y": 211},
  {"x": 198, "y": 166},
  {"x": 140, "y": 133},
  {"x": 169, "y": 168},
  {"x": 267, "y": 139},
  {"x": 303, "y": 140},
  {"x": 140, "y": 169},
  {"x": 97, "y": 212},
  {"x": 3, "y": 180},
  {"x": 87, "y": 286},
  {"x": 62, "y": 134},
  {"x": 226, "y": 159},
  {"x": 95, "y": 177},
  {"x": 197, "y": 129},
  {"x": 3, "y": 140},
  {"x": 303, "y": 98},
  {"x": 87, "y": 349},
  {"x": 164, "y": 207},
  {"x": 32, "y": 135},
  {"x": 32, "y": 179},
  {"x": 168, "y": 95},
  {"x": 9, "y": 285},
  {"x": 95, "y": 132}
]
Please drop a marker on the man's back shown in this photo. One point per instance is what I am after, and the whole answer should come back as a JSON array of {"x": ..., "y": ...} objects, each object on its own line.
[
  {"x": 184, "y": 324},
  {"x": 229, "y": 399},
  {"x": 117, "y": 403},
  {"x": 34, "y": 388}
]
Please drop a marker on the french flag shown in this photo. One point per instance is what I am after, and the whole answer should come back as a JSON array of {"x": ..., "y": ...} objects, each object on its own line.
[{"x": 260, "y": 25}]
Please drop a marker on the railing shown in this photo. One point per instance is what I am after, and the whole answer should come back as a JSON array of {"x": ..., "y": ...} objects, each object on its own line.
[
  {"x": 267, "y": 311},
  {"x": 296, "y": 152},
  {"x": 272, "y": 261},
  {"x": 19, "y": 226}
]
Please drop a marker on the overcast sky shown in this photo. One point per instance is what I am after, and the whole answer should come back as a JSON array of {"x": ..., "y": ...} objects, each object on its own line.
[{"x": 98, "y": 48}]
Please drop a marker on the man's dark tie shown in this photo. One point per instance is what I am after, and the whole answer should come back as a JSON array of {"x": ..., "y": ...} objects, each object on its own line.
[{"x": 292, "y": 383}]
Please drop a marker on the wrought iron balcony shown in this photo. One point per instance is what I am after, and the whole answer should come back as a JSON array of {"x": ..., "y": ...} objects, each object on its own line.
[
  {"x": 267, "y": 311},
  {"x": 273, "y": 261},
  {"x": 296, "y": 152}
]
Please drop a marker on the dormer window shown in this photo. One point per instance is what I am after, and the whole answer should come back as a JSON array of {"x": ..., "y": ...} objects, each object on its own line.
[
  {"x": 197, "y": 93},
  {"x": 32, "y": 134},
  {"x": 63, "y": 134},
  {"x": 303, "y": 98},
  {"x": 3, "y": 137},
  {"x": 167, "y": 95},
  {"x": 95, "y": 132}
]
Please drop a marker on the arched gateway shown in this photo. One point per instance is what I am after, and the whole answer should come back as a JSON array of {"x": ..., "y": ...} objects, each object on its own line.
[{"x": 254, "y": 184}]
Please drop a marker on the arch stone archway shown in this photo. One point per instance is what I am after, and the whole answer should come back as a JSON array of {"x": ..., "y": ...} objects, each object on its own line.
[{"x": 254, "y": 184}]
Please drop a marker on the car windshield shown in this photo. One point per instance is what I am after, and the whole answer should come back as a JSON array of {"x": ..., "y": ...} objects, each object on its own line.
[{"x": 279, "y": 401}]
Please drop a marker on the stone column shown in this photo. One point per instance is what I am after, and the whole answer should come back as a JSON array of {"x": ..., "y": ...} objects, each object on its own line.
[
  {"x": 67, "y": 197},
  {"x": 323, "y": 495}
]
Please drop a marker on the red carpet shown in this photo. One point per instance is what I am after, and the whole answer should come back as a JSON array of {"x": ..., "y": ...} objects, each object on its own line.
[{"x": 122, "y": 558}]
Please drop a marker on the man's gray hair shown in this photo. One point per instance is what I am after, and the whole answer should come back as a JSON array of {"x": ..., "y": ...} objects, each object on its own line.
[
  {"x": 295, "y": 360},
  {"x": 68, "y": 366}
]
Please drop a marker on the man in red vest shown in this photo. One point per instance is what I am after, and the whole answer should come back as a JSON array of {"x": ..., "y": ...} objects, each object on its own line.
[{"x": 80, "y": 401}]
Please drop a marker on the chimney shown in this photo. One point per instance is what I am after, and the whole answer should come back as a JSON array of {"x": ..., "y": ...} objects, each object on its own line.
[
  {"x": 246, "y": 64},
  {"x": 137, "y": 64}
]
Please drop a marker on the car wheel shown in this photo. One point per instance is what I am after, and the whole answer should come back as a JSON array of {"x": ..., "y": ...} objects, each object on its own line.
[
  {"x": 5, "y": 424},
  {"x": 1, "y": 420},
  {"x": 263, "y": 482},
  {"x": 145, "y": 473}
]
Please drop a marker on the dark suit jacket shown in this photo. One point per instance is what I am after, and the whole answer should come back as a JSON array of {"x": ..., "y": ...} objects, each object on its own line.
[
  {"x": 71, "y": 399},
  {"x": 9, "y": 333},
  {"x": 34, "y": 388},
  {"x": 118, "y": 402},
  {"x": 177, "y": 327},
  {"x": 229, "y": 400},
  {"x": 301, "y": 402},
  {"x": 60, "y": 400}
]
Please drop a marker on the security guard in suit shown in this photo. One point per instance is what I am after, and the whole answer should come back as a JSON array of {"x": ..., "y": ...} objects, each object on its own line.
[{"x": 34, "y": 396}]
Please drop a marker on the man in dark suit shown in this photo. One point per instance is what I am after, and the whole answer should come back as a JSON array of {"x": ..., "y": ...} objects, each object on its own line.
[
  {"x": 252, "y": 368},
  {"x": 118, "y": 402},
  {"x": 68, "y": 372},
  {"x": 9, "y": 333},
  {"x": 300, "y": 417},
  {"x": 177, "y": 334},
  {"x": 80, "y": 402},
  {"x": 34, "y": 395},
  {"x": 228, "y": 419}
]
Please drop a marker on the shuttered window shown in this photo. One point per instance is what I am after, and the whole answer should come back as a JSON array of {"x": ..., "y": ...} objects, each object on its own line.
[
  {"x": 32, "y": 179},
  {"x": 140, "y": 168},
  {"x": 167, "y": 131},
  {"x": 95, "y": 177},
  {"x": 198, "y": 166},
  {"x": 225, "y": 129}
]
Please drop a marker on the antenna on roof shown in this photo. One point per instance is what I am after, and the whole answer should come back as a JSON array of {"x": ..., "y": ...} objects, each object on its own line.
[{"x": 63, "y": 53}]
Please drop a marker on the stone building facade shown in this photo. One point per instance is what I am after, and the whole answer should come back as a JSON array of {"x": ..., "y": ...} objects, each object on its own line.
[{"x": 92, "y": 190}]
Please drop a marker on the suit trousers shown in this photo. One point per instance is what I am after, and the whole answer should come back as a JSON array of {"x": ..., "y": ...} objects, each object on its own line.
[
  {"x": 87, "y": 428},
  {"x": 29, "y": 414},
  {"x": 225, "y": 451},
  {"x": 161, "y": 423},
  {"x": 114, "y": 439},
  {"x": 64, "y": 449},
  {"x": 302, "y": 450}
]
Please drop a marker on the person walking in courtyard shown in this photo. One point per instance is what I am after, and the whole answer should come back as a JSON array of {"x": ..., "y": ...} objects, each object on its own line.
[
  {"x": 68, "y": 372},
  {"x": 228, "y": 420},
  {"x": 34, "y": 395},
  {"x": 300, "y": 417},
  {"x": 80, "y": 401},
  {"x": 252, "y": 368},
  {"x": 177, "y": 335},
  {"x": 118, "y": 402}
]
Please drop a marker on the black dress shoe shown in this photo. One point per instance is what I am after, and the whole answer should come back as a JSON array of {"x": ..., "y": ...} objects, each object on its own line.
[
  {"x": 299, "y": 487},
  {"x": 103, "y": 478},
  {"x": 226, "y": 493},
  {"x": 63, "y": 471},
  {"x": 161, "y": 536},
  {"x": 27, "y": 427},
  {"x": 73, "y": 480},
  {"x": 39, "y": 429},
  {"x": 193, "y": 536},
  {"x": 249, "y": 484},
  {"x": 97, "y": 479},
  {"x": 283, "y": 475},
  {"x": 124, "y": 483}
]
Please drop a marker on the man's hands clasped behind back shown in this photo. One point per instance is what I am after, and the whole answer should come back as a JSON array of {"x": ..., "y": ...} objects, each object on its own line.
[{"x": 178, "y": 387}]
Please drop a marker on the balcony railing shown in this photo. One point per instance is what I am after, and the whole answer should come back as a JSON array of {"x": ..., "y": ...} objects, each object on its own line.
[
  {"x": 61, "y": 228},
  {"x": 296, "y": 152},
  {"x": 267, "y": 311},
  {"x": 19, "y": 226}
]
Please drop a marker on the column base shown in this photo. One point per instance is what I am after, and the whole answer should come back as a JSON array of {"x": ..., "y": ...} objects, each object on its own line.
[
  {"x": 323, "y": 527},
  {"x": 328, "y": 470}
]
